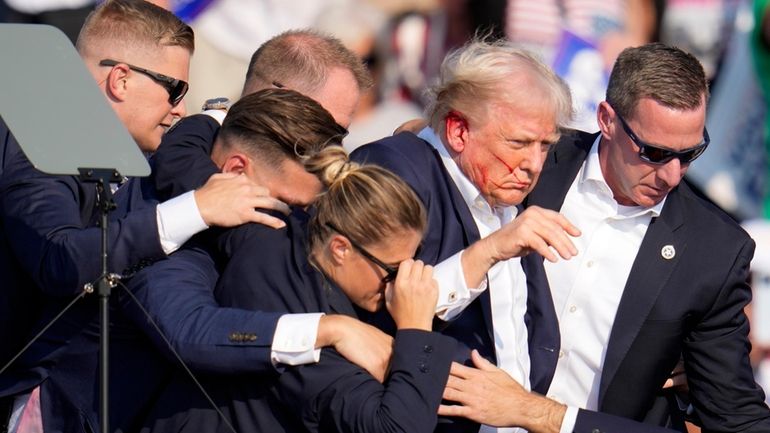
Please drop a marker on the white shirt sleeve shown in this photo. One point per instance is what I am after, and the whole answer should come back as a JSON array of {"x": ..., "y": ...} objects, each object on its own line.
[
  {"x": 178, "y": 220},
  {"x": 218, "y": 115},
  {"x": 294, "y": 339},
  {"x": 568, "y": 422},
  {"x": 453, "y": 294}
]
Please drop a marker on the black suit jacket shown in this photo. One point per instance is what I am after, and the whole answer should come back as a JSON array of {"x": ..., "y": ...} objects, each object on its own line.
[
  {"x": 51, "y": 246},
  {"x": 267, "y": 270},
  {"x": 691, "y": 304},
  {"x": 183, "y": 160}
]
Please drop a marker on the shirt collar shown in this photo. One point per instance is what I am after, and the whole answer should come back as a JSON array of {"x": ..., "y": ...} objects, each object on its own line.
[{"x": 592, "y": 173}]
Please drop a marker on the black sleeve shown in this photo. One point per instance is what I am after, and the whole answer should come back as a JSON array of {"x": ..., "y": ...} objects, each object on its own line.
[
  {"x": 335, "y": 395},
  {"x": 183, "y": 160}
]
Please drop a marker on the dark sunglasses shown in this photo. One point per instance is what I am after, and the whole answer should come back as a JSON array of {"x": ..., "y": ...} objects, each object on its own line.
[
  {"x": 657, "y": 155},
  {"x": 176, "y": 88},
  {"x": 391, "y": 272}
]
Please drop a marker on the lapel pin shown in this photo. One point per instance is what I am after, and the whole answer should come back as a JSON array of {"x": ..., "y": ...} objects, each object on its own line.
[{"x": 668, "y": 252}]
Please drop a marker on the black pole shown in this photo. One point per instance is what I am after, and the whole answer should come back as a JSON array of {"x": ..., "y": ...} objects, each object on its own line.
[
  {"x": 104, "y": 290},
  {"x": 104, "y": 285}
]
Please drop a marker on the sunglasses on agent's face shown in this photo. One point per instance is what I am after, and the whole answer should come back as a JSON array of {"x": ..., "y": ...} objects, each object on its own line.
[
  {"x": 657, "y": 155},
  {"x": 176, "y": 88},
  {"x": 390, "y": 271}
]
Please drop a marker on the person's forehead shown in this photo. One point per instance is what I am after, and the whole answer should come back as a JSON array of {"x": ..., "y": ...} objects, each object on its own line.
[
  {"x": 522, "y": 121},
  {"x": 173, "y": 61}
]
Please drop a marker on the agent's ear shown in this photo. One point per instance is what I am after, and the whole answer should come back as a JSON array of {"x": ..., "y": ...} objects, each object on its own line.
[
  {"x": 339, "y": 249},
  {"x": 236, "y": 163},
  {"x": 607, "y": 120},
  {"x": 116, "y": 83},
  {"x": 457, "y": 132}
]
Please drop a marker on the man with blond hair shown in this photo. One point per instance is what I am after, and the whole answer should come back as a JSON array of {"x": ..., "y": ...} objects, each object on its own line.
[{"x": 496, "y": 112}]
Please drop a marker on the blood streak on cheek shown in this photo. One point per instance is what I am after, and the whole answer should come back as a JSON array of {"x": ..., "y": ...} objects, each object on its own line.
[
  {"x": 510, "y": 169},
  {"x": 484, "y": 177}
]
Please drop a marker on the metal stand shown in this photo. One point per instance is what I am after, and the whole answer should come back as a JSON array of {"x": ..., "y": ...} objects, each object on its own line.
[{"x": 103, "y": 177}]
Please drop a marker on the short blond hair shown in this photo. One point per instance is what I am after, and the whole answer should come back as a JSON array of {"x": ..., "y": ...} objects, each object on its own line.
[
  {"x": 368, "y": 202},
  {"x": 485, "y": 72},
  {"x": 133, "y": 25}
]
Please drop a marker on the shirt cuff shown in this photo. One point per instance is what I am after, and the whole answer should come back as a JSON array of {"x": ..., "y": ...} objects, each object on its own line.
[
  {"x": 568, "y": 422},
  {"x": 178, "y": 220},
  {"x": 294, "y": 339},
  {"x": 453, "y": 295},
  {"x": 218, "y": 115}
]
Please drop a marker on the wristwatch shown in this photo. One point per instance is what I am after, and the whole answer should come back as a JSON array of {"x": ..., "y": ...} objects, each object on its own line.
[{"x": 216, "y": 104}]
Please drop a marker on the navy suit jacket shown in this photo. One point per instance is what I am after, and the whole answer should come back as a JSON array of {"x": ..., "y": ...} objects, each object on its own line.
[
  {"x": 178, "y": 294},
  {"x": 48, "y": 229},
  {"x": 691, "y": 304},
  {"x": 50, "y": 244},
  {"x": 333, "y": 395},
  {"x": 183, "y": 159}
]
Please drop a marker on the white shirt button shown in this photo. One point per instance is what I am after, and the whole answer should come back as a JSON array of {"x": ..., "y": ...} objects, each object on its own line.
[
  {"x": 561, "y": 354},
  {"x": 572, "y": 309},
  {"x": 590, "y": 263}
]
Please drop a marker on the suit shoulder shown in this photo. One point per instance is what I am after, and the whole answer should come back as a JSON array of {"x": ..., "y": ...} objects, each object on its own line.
[
  {"x": 403, "y": 148},
  {"x": 253, "y": 239},
  {"x": 196, "y": 122},
  {"x": 575, "y": 138},
  {"x": 710, "y": 216}
]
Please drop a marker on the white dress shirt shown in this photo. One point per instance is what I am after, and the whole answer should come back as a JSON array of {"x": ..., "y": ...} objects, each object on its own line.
[
  {"x": 506, "y": 280},
  {"x": 587, "y": 288}
]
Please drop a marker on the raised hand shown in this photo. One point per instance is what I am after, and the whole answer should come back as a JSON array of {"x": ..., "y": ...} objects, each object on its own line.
[
  {"x": 411, "y": 298},
  {"x": 230, "y": 199},
  {"x": 536, "y": 229},
  {"x": 361, "y": 344}
]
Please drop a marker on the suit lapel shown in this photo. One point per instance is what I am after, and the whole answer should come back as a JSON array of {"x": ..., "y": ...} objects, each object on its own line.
[
  {"x": 470, "y": 235},
  {"x": 470, "y": 231},
  {"x": 648, "y": 275},
  {"x": 560, "y": 169}
]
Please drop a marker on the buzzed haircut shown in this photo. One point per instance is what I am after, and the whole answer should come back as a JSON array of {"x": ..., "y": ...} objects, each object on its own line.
[
  {"x": 134, "y": 24},
  {"x": 660, "y": 72},
  {"x": 301, "y": 60},
  {"x": 273, "y": 125}
]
